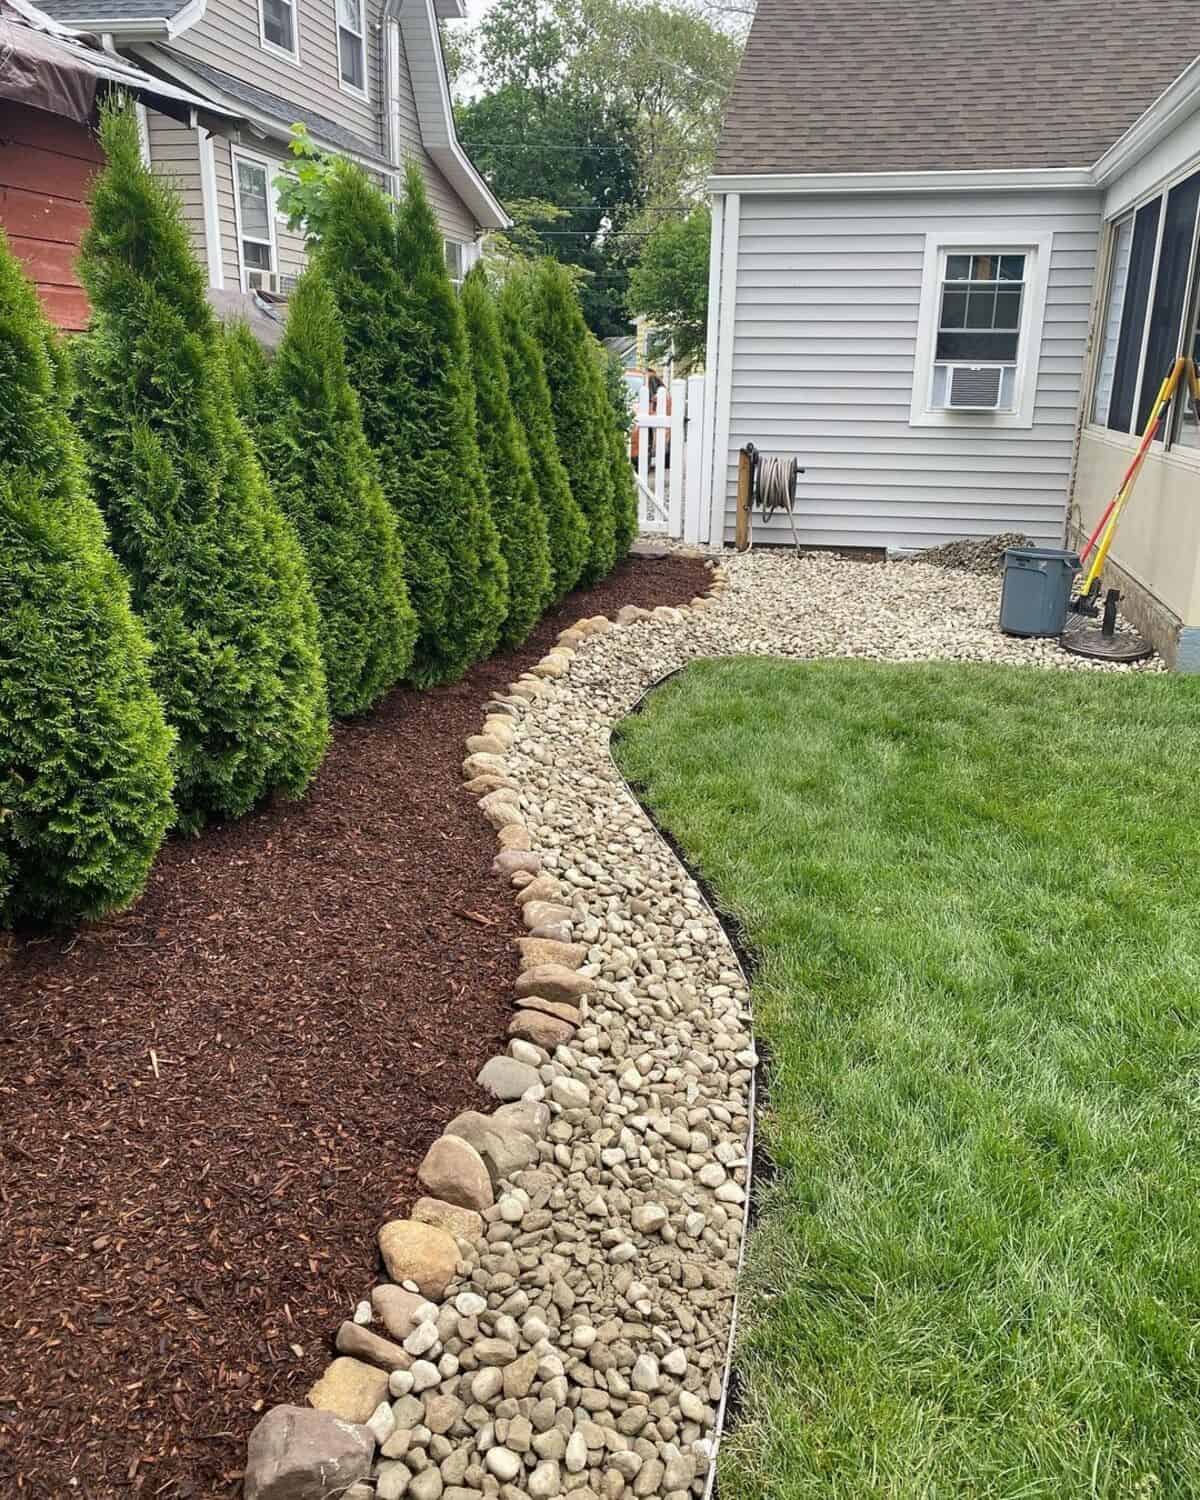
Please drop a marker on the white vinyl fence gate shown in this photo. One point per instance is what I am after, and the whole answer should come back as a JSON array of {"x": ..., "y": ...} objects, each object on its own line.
[{"x": 668, "y": 442}]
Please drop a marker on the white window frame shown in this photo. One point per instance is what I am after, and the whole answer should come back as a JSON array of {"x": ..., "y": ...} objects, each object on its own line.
[
  {"x": 273, "y": 47},
  {"x": 964, "y": 240},
  {"x": 464, "y": 260},
  {"x": 338, "y": 28},
  {"x": 269, "y": 167}
]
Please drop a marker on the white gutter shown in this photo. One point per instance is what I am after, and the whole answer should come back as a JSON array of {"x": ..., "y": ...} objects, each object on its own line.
[
  {"x": 1171, "y": 107},
  {"x": 1001, "y": 180},
  {"x": 435, "y": 113}
]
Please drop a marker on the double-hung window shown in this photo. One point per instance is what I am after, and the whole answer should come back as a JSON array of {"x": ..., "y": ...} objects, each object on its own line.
[
  {"x": 1150, "y": 315},
  {"x": 255, "y": 220},
  {"x": 278, "y": 31},
  {"x": 979, "y": 333},
  {"x": 352, "y": 46}
]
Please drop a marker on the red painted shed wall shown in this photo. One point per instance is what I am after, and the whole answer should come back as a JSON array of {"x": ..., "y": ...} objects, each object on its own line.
[{"x": 46, "y": 166}]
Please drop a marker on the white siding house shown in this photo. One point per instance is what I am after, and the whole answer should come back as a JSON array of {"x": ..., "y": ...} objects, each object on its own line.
[{"x": 945, "y": 276}]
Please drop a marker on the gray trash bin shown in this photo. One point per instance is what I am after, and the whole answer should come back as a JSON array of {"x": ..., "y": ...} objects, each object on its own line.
[{"x": 1037, "y": 590}]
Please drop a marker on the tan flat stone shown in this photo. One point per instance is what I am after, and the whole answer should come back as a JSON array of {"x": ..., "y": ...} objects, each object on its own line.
[
  {"x": 454, "y": 1171},
  {"x": 491, "y": 781},
  {"x": 544, "y": 888},
  {"x": 514, "y": 836},
  {"x": 462, "y": 1223},
  {"x": 535, "y": 951},
  {"x": 349, "y": 1389},
  {"x": 371, "y": 1348},
  {"x": 394, "y": 1307},
  {"x": 545, "y": 913},
  {"x": 553, "y": 982},
  {"x": 559, "y": 1009},
  {"x": 421, "y": 1253},
  {"x": 541, "y": 1030}
]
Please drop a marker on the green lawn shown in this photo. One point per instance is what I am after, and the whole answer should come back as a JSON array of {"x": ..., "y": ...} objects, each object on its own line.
[{"x": 974, "y": 895}]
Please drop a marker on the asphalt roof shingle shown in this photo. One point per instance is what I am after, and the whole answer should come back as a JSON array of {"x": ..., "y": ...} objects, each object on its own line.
[{"x": 945, "y": 85}]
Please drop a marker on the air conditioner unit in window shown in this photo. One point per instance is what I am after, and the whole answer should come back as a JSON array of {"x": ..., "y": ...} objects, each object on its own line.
[
  {"x": 271, "y": 283},
  {"x": 974, "y": 387}
]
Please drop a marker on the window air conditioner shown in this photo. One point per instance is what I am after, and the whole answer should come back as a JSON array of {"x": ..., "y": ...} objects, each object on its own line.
[
  {"x": 272, "y": 283},
  {"x": 974, "y": 387}
]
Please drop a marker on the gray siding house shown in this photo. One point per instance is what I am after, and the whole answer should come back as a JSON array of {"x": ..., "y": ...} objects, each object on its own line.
[
  {"x": 366, "y": 77},
  {"x": 943, "y": 237}
]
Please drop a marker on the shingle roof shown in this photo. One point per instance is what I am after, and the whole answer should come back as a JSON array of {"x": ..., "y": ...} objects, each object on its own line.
[
  {"x": 943, "y": 85},
  {"x": 328, "y": 132},
  {"x": 68, "y": 11}
]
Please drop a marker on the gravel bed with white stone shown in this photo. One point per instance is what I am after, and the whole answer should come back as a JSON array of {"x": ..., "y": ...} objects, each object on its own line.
[{"x": 558, "y": 1314}]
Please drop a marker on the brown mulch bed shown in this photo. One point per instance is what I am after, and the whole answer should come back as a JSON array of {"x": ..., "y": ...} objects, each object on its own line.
[{"x": 209, "y": 1104}]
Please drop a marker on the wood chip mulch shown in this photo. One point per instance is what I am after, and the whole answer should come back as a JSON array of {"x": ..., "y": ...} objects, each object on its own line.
[{"x": 209, "y": 1104}]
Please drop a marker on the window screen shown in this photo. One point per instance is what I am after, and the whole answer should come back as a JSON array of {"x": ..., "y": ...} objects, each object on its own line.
[
  {"x": 254, "y": 208},
  {"x": 1170, "y": 291},
  {"x": 1133, "y": 320},
  {"x": 1111, "y": 333},
  {"x": 980, "y": 315}
]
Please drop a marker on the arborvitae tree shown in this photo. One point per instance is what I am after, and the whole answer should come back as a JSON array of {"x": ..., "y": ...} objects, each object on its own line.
[
  {"x": 516, "y": 511},
  {"x": 323, "y": 475},
  {"x": 85, "y": 753},
  {"x": 568, "y": 532},
  {"x": 249, "y": 376},
  {"x": 407, "y": 354},
  {"x": 217, "y": 573},
  {"x": 624, "y": 490},
  {"x": 580, "y": 417}
]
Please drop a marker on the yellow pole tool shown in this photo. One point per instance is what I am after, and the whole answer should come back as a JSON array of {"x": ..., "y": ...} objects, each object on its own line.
[{"x": 1166, "y": 393}]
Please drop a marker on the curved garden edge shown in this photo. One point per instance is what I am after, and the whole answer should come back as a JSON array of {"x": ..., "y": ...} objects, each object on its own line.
[
  {"x": 723, "y": 1405},
  {"x": 438, "y": 1251}
]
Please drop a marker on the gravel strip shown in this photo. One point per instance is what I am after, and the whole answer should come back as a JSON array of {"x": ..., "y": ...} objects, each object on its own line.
[{"x": 581, "y": 1293}]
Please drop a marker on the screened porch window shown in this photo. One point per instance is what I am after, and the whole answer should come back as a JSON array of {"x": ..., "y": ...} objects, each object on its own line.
[{"x": 1150, "y": 313}]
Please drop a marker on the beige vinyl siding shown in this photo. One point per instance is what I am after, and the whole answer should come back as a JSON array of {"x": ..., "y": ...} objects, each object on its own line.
[
  {"x": 824, "y": 353},
  {"x": 453, "y": 216},
  {"x": 175, "y": 155},
  {"x": 223, "y": 170},
  {"x": 227, "y": 36}
]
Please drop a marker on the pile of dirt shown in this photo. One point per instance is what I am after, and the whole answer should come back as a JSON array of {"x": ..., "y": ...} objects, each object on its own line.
[
  {"x": 209, "y": 1104},
  {"x": 983, "y": 556}
]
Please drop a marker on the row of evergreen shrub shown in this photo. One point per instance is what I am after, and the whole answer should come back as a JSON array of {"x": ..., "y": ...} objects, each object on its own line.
[{"x": 410, "y": 483}]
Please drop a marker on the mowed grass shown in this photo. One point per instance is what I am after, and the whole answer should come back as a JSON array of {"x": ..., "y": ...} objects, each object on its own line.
[{"x": 974, "y": 895}]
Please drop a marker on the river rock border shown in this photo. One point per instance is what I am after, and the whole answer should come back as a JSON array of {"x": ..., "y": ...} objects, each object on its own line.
[
  {"x": 558, "y": 1317},
  {"x": 560, "y": 1307}
]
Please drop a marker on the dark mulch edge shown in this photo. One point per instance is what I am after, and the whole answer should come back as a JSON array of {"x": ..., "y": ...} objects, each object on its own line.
[{"x": 209, "y": 1104}]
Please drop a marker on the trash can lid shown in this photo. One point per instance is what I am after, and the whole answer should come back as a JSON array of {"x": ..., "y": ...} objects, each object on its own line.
[{"x": 1043, "y": 554}]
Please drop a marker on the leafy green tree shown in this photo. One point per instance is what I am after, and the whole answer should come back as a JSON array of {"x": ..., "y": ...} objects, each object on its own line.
[
  {"x": 85, "y": 753},
  {"x": 530, "y": 393},
  {"x": 217, "y": 573},
  {"x": 610, "y": 110},
  {"x": 518, "y": 515},
  {"x": 407, "y": 355},
  {"x": 581, "y": 416},
  {"x": 573, "y": 160},
  {"x": 669, "y": 287},
  {"x": 324, "y": 476}
]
